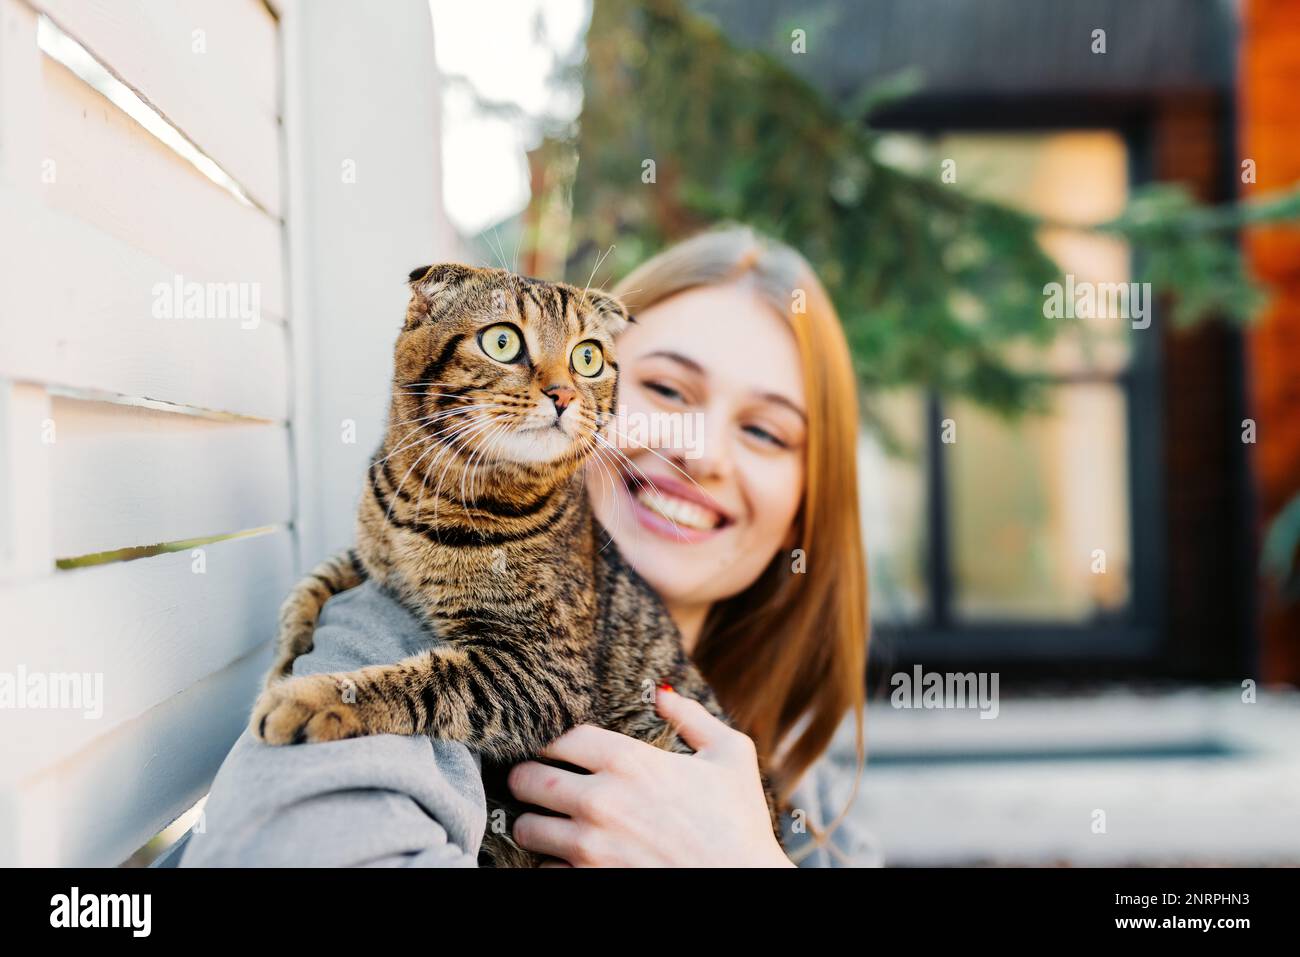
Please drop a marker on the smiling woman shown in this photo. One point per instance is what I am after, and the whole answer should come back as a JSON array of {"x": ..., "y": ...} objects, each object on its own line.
[{"x": 753, "y": 538}]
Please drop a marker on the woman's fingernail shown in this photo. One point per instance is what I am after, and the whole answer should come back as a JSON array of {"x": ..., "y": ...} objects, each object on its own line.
[{"x": 665, "y": 687}]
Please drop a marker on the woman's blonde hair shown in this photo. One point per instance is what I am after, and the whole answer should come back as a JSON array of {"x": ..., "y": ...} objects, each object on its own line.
[{"x": 787, "y": 656}]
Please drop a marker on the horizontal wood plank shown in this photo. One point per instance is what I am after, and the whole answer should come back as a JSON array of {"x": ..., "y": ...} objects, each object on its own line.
[
  {"x": 99, "y": 805},
  {"x": 124, "y": 476},
  {"x": 25, "y": 520},
  {"x": 210, "y": 68},
  {"x": 133, "y": 634},
  {"x": 112, "y": 173},
  {"x": 79, "y": 313}
]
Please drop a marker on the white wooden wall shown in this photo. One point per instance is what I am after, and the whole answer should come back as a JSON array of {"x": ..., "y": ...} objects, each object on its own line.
[{"x": 119, "y": 429}]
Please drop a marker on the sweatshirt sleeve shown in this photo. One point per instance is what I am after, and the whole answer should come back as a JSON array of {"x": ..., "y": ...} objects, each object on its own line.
[
  {"x": 815, "y": 804},
  {"x": 384, "y": 800}
]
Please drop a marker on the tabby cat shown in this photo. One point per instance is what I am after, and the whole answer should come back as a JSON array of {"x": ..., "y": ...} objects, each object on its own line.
[{"x": 475, "y": 516}]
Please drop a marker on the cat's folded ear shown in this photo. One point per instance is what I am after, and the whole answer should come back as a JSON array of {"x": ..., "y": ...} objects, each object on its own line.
[
  {"x": 431, "y": 280},
  {"x": 430, "y": 285},
  {"x": 613, "y": 315}
]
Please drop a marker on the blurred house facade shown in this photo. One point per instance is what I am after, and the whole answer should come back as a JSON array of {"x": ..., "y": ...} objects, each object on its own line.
[{"x": 1152, "y": 435}]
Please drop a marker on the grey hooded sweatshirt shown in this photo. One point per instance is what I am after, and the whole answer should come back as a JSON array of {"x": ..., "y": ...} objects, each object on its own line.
[{"x": 390, "y": 800}]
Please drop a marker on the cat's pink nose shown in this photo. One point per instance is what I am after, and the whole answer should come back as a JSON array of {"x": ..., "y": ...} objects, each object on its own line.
[{"x": 561, "y": 395}]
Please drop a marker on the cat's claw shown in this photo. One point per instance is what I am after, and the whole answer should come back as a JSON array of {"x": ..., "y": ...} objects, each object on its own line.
[{"x": 305, "y": 710}]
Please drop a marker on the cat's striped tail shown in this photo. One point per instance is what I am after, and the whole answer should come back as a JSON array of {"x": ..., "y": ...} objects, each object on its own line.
[{"x": 301, "y": 609}]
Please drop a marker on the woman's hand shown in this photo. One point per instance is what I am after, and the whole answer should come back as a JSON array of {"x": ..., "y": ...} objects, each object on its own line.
[{"x": 645, "y": 807}]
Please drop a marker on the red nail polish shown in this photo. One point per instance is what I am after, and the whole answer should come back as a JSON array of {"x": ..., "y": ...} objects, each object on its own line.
[{"x": 665, "y": 687}]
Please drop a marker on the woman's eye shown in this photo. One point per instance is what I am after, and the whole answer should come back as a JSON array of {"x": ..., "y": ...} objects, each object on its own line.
[
  {"x": 588, "y": 359},
  {"x": 764, "y": 436},
  {"x": 501, "y": 342},
  {"x": 667, "y": 391}
]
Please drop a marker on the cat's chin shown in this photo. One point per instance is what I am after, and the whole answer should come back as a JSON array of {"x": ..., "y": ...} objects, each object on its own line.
[{"x": 533, "y": 446}]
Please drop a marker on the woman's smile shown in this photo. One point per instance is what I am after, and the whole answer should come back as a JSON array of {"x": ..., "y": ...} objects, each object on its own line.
[{"x": 674, "y": 509}]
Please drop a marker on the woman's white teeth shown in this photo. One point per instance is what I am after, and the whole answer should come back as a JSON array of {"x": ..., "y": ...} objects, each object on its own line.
[{"x": 678, "y": 510}]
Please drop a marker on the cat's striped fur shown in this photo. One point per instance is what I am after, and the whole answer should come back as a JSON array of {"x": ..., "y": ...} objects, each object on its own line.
[{"x": 489, "y": 536}]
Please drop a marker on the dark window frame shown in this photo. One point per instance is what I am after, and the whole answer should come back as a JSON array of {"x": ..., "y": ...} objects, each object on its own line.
[{"x": 1134, "y": 643}]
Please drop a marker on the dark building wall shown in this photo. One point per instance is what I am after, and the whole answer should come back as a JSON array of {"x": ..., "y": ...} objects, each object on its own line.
[{"x": 1207, "y": 539}]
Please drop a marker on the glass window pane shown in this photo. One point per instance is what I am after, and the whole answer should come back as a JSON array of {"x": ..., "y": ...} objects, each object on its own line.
[
  {"x": 892, "y": 492},
  {"x": 1070, "y": 177},
  {"x": 1039, "y": 510}
]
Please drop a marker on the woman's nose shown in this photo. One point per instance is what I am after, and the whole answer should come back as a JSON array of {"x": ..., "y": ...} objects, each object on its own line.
[{"x": 709, "y": 454}]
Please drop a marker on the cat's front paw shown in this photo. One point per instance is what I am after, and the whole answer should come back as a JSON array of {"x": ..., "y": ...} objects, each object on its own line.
[{"x": 306, "y": 710}]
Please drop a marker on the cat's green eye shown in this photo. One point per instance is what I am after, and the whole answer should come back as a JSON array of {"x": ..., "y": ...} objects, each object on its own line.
[
  {"x": 501, "y": 342},
  {"x": 588, "y": 359}
]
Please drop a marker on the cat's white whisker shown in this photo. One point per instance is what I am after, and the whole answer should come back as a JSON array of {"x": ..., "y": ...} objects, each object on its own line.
[
  {"x": 446, "y": 448},
  {"x": 471, "y": 467},
  {"x": 489, "y": 450},
  {"x": 447, "y": 413},
  {"x": 644, "y": 478},
  {"x": 455, "y": 450},
  {"x": 625, "y": 437},
  {"x": 433, "y": 444},
  {"x": 424, "y": 478},
  {"x": 403, "y": 444},
  {"x": 599, "y": 461},
  {"x": 596, "y": 267},
  {"x": 500, "y": 250},
  {"x": 478, "y": 428},
  {"x": 398, "y": 487}
]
